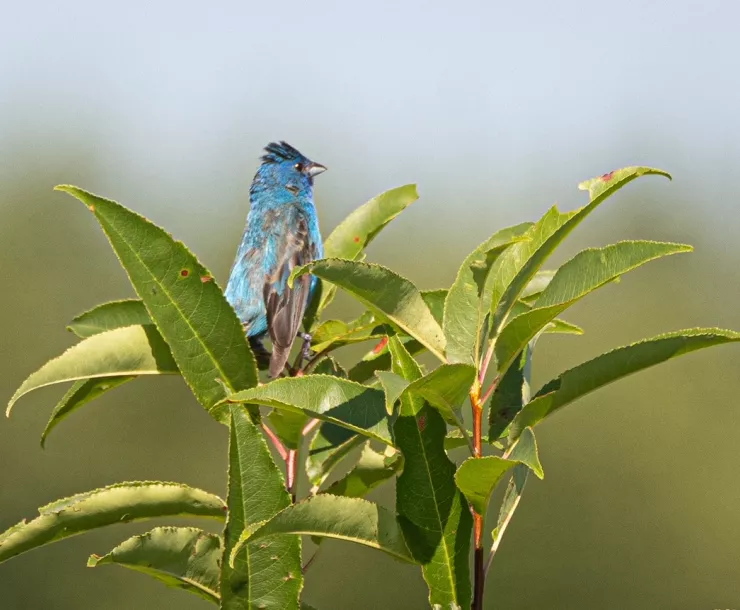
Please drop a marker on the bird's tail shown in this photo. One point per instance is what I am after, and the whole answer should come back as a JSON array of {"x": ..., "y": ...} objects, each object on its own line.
[
  {"x": 278, "y": 359},
  {"x": 261, "y": 354}
]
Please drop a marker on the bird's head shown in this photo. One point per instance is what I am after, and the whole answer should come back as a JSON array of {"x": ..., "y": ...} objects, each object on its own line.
[{"x": 285, "y": 171}]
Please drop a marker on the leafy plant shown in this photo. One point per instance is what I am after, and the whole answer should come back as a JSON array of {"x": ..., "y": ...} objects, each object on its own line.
[{"x": 405, "y": 418}]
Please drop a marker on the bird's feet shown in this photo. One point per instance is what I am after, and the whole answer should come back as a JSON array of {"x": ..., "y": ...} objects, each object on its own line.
[{"x": 306, "y": 349}]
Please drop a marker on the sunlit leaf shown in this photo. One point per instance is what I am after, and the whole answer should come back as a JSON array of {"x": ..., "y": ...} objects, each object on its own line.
[
  {"x": 331, "y": 399},
  {"x": 614, "y": 365},
  {"x": 120, "y": 503},
  {"x": 256, "y": 575},
  {"x": 108, "y": 316},
  {"x": 202, "y": 330},
  {"x": 391, "y": 297},
  {"x": 335, "y": 333},
  {"x": 350, "y": 238},
  {"x": 468, "y": 301},
  {"x": 371, "y": 470},
  {"x": 329, "y": 446},
  {"x": 435, "y": 300},
  {"x": 524, "y": 451},
  {"x": 350, "y": 519},
  {"x": 584, "y": 273},
  {"x": 516, "y": 268},
  {"x": 123, "y": 352},
  {"x": 478, "y": 477},
  {"x": 393, "y": 386},
  {"x": 445, "y": 388},
  {"x": 180, "y": 557},
  {"x": 537, "y": 284},
  {"x": 434, "y": 516},
  {"x": 81, "y": 393}
]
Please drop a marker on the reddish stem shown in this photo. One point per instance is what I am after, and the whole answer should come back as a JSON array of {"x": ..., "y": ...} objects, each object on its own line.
[
  {"x": 479, "y": 568},
  {"x": 485, "y": 364},
  {"x": 291, "y": 462},
  {"x": 276, "y": 442},
  {"x": 489, "y": 391},
  {"x": 310, "y": 426}
]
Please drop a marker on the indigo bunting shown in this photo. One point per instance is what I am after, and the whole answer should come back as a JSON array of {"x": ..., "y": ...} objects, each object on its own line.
[{"x": 282, "y": 233}]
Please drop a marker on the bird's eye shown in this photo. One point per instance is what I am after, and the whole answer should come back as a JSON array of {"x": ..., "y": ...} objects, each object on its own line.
[{"x": 298, "y": 167}]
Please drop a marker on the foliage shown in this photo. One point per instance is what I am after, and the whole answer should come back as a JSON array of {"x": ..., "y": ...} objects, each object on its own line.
[{"x": 385, "y": 418}]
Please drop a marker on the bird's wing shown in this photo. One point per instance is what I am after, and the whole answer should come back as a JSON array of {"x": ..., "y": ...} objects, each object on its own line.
[{"x": 285, "y": 306}]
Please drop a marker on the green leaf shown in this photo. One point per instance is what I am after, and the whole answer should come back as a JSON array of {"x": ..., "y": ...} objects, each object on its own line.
[
  {"x": 328, "y": 516},
  {"x": 116, "y": 314},
  {"x": 81, "y": 392},
  {"x": 556, "y": 326},
  {"x": 435, "y": 300},
  {"x": 468, "y": 300},
  {"x": 365, "y": 369},
  {"x": 327, "y": 449},
  {"x": 180, "y": 557},
  {"x": 614, "y": 365},
  {"x": 330, "y": 444},
  {"x": 404, "y": 365},
  {"x": 288, "y": 426},
  {"x": 257, "y": 576},
  {"x": 445, "y": 388},
  {"x": 120, "y": 503},
  {"x": 434, "y": 516},
  {"x": 338, "y": 401},
  {"x": 372, "y": 469},
  {"x": 584, "y": 273},
  {"x": 329, "y": 366},
  {"x": 335, "y": 333},
  {"x": 512, "y": 392},
  {"x": 510, "y": 395},
  {"x": 478, "y": 477},
  {"x": 563, "y": 327},
  {"x": 133, "y": 350},
  {"x": 390, "y": 296},
  {"x": 524, "y": 451},
  {"x": 537, "y": 284},
  {"x": 512, "y": 497},
  {"x": 354, "y": 233},
  {"x": 393, "y": 386},
  {"x": 457, "y": 438},
  {"x": 204, "y": 334},
  {"x": 520, "y": 264}
]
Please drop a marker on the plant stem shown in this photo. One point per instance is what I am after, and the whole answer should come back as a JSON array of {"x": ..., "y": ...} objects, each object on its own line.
[
  {"x": 486, "y": 362},
  {"x": 315, "y": 359},
  {"x": 477, "y": 419},
  {"x": 311, "y": 560},
  {"x": 479, "y": 570},
  {"x": 490, "y": 391},
  {"x": 310, "y": 426},
  {"x": 291, "y": 461},
  {"x": 480, "y": 580},
  {"x": 276, "y": 442}
]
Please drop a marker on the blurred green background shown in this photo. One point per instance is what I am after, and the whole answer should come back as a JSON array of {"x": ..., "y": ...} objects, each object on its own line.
[{"x": 496, "y": 110}]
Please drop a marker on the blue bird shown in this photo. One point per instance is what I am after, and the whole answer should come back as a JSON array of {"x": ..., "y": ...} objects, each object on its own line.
[{"x": 282, "y": 233}]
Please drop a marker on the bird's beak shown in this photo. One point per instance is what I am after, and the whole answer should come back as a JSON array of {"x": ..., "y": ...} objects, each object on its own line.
[{"x": 314, "y": 169}]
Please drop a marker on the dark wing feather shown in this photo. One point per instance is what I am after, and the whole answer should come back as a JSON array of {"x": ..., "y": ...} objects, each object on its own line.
[{"x": 286, "y": 306}]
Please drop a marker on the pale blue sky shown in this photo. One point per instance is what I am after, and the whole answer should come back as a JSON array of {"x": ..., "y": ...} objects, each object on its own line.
[{"x": 496, "y": 109}]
